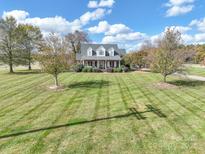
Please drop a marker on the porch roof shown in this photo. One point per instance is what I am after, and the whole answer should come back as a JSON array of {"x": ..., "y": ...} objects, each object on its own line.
[{"x": 99, "y": 58}]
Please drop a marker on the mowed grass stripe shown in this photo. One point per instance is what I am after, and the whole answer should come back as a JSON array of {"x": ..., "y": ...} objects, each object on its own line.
[
  {"x": 8, "y": 77},
  {"x": 138, "y": 106},
  {"x": 90, "y": 142},
  {"x": 31, "y": 111},
  {"x": 28, "y": 103},
  {"x": 23, "y": 96},
  {"x": 128, "y": 101},
  {"x": 26, "y": 89},
  {"x": 176, "y": 128},
  {"x": 47, "y": 106},
  {"x": 37, "y": 147},
  {"x": 182, "y": 119},
  {"x": 14, "y": 90},
  {"x": 20, "y": 79},
  {"x": 11, "y": 78},
  {"x": 152, "y": 99},
  {"x": 30, "y": 93},
  {"x": 16, "y": 102},
  {"x": 108, "y": 138},
  {"x": 153, "y": 121},
  {"x": 180, "y": 132},
  {"x": 8, "y": 130},
  {"x": 69, "y": 116},
  {"x": 99, "y": 134},
  {"x": 35, "y": 106},
  {"x": 189, "y": 133}
]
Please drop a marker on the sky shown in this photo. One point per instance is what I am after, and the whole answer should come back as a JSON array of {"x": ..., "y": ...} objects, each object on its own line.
[{"x": 127, "y": 23}]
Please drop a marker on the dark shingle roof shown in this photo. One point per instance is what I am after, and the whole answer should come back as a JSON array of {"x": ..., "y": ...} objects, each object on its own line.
[{"x": 82, "y": 55}]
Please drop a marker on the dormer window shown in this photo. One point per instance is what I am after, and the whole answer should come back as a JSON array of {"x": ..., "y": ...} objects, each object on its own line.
[
  {"x": 111, "y": 51},
  {"x": 90, "y": 51},
  {"x": 101, "y": 51}
]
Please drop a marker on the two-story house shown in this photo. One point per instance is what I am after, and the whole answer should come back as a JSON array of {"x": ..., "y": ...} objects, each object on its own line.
[{"x": 100, "y": 55}]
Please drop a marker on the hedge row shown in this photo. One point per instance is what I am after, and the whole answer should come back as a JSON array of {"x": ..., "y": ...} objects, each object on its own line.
[{"x": 81, "y": 68}]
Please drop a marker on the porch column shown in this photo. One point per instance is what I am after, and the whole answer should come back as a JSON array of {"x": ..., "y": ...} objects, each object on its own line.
[
  {"x": 93, "y": 63},
  {"x": 98, "y": 64},
  {"x": 105, "y": 64},
  {"x": 119, "y": 63},
  {"x": 108, "y": 64},
  {"x": 83, "y": 63},
  {"x": 115, "y": 64}
]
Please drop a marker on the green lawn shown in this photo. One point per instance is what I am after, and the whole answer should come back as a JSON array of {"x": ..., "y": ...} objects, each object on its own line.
[
  {"x": 100, "y": 113},
  {"x": 196, "y": 71}
]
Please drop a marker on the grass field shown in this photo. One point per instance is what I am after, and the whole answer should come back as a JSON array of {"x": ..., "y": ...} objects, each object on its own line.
[
  {"x": 100, "y": 113},
  {"x": 196, "y": 71}
]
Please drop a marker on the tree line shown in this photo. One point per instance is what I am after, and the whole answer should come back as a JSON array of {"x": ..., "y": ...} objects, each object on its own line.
[
  {"x": 17, "y": 43},
  {"x": 22, "y": 44},
  {"x": 167, "y": 55}
]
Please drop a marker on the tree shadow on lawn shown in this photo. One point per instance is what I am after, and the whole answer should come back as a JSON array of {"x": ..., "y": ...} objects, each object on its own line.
[
  {"x": 132, "y": 112},
  {"x": 88, "y": 84},
  {"x": 187, "y": 83}
]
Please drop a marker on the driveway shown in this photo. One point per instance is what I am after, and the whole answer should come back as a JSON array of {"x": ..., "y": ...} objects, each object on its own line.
[{"x": 191, "y": 77}]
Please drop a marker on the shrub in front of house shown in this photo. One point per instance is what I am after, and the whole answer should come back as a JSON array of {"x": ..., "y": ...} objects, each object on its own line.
[
  {"x": 97, "y": 70},
  {"x": 117, "y": 70},
  {"x": 125, "y": 69},
  {"x": 87, "y": 69},
  {"x": 77, "y": 67},
  {"x": 109, "y": 70}
]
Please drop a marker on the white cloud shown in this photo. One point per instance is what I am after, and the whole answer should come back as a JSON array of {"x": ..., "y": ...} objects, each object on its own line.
[
  {"x": 118, "y": 29},
  {"x": 102, "y": 3},
  {"x": 179, "y": 10},
  {"x": 187, "y": 38},
  {"x": 92, "y": 4},
  {"x": 179, "y": 7},
  {"x": 57, "y": 24},
  {"x": 95, "y": 15},
  {"x": 124, "y": 38},
  {"x": 17, "y": 14},
  {"x": 193, "y": 39},
  {"x": 53, "y": 24},
  {"x": 106, "y": 3},
  {"x": 179, "y": 2},
  {"x": 130, "y": 41},
  {"x": 104, "y": 27},
  {"x": 118, "y": 34},
  {"x": 199, "y": 23},
  {"x": 200, "y": 37}
]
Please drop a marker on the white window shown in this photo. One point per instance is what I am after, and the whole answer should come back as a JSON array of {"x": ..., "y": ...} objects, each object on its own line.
[
  {"x": 111, "y": 51},
  {"x": 101, "y": 51},
  {"x": 90, "y": 51}
]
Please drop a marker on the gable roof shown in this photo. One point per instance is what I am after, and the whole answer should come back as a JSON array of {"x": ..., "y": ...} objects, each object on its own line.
[{"x": 84, "y": 47}]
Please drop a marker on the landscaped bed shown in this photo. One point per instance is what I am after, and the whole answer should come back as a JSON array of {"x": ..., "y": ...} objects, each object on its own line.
[{"x": 101, "y": 113}]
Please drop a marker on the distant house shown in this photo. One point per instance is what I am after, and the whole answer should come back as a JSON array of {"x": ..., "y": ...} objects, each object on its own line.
[{"x": 100, "y": 55}]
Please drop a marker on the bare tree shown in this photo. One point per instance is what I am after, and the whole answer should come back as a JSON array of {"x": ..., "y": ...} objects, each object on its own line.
[
  {"x": 54, "y": 56},
  {"x": 169, "y": 57},
  {"x": 75, "y": 39},
  {"x": 146, "y": 45}
]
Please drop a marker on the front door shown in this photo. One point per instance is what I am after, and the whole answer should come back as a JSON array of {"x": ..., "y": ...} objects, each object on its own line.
[{"x": 102, "y": 64}]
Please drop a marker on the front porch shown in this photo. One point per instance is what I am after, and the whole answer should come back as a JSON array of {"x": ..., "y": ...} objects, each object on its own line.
[{"x": 102, "y": 64}]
